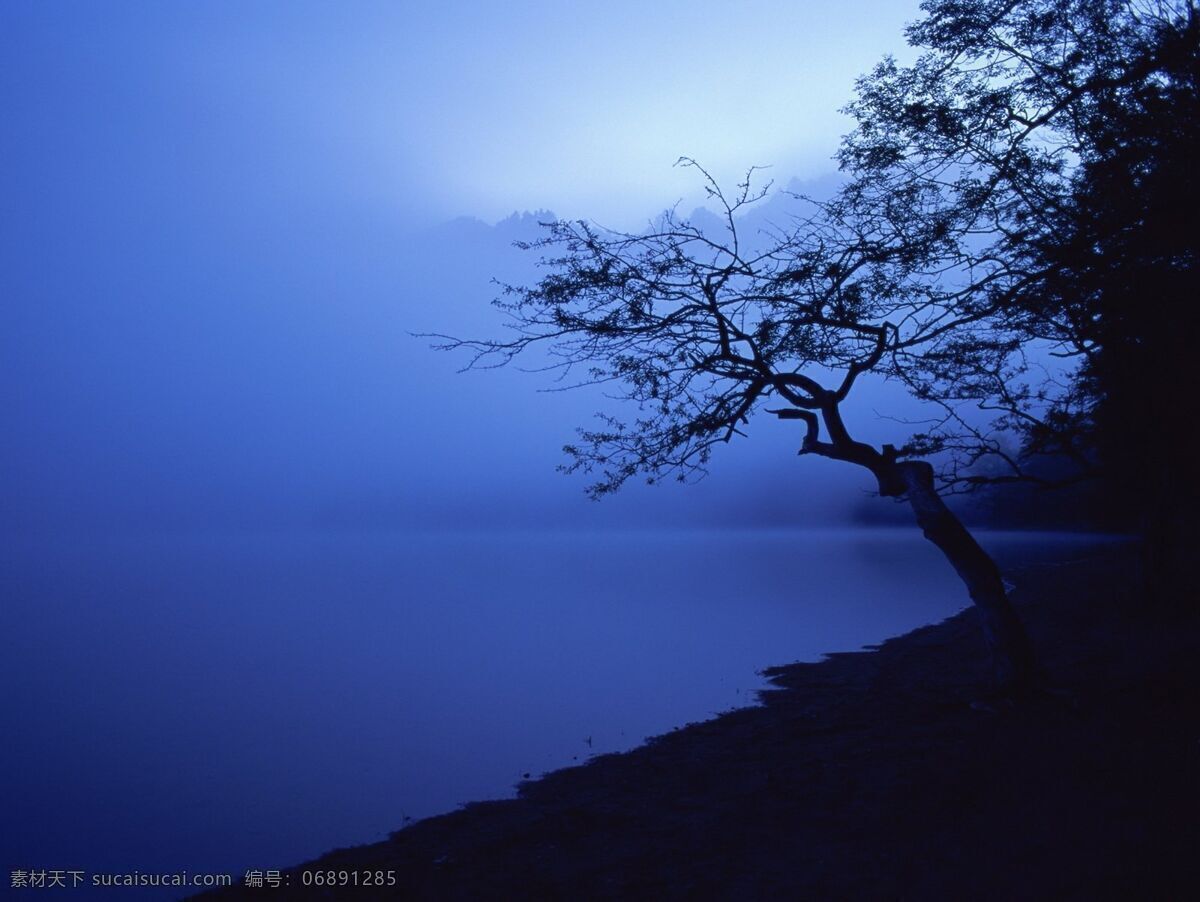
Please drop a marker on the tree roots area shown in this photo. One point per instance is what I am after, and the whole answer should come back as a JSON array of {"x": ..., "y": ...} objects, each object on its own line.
[{"x": 882, "y": 774}]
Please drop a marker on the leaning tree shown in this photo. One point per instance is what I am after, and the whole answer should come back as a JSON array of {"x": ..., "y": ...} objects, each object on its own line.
[
  {"x": 940, "y": 264},
  {"x": 697, "y": 329}
]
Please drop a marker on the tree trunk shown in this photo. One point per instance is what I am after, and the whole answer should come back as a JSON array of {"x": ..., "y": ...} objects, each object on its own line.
[
  {"x": 1013, "y": 663},
  {"x": 1169, "y": 538}
]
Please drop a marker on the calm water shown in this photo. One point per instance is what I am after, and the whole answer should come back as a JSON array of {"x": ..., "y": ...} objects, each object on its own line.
[{"x": 224, "y": 703}]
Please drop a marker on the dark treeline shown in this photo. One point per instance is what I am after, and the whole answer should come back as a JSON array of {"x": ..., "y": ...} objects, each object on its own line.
[
  {"x": 1094, "y": 221},
  {"x": 1123, "y": 262}
]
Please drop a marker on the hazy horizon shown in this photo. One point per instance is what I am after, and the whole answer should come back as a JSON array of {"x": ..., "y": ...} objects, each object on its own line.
[{"x": 224, "y": 223}]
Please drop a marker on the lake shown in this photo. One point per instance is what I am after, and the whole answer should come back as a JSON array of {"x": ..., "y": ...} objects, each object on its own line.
[{"x": 214, "y": 703}]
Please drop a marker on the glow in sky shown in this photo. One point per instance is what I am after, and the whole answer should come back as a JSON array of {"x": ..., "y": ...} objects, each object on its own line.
[
  {"x": 485, "y": 108},
  {"x": 222, "y": 223}
]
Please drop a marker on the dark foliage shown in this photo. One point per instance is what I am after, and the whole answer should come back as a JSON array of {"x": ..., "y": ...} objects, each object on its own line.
[
  {"x": 1013, "y": 238},
  {"x": 1123, "y": 264},
  {"x": 1039, "y": 150}
]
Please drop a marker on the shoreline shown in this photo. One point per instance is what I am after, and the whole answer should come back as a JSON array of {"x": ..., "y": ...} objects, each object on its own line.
[{"x": 881, "y": 773}]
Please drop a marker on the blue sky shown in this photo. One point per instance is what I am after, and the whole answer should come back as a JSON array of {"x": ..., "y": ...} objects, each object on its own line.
[
  {"x": 453, "y": 108},
  {"x": 222, "y": 220}
]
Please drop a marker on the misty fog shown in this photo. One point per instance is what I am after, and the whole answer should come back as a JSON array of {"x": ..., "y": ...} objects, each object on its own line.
[
  {"x": 208, "y": 310},
  {"x": 244, "y": 499}
]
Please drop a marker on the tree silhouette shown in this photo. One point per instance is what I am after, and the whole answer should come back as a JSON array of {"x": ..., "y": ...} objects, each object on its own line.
[
  {"x": 1050, "y": 145},
  {"x": 950, "y": 262},
  {"x": 696, "y": 331},
  {"x": 1126, "y": 254},
  {"x": 983, "y": 148}
]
